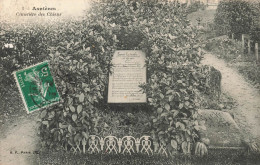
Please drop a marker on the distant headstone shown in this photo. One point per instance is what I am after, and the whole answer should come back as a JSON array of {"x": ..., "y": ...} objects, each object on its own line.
[
  {"x": 128, "y": 73},
  {"x": 222, "y": 130}
]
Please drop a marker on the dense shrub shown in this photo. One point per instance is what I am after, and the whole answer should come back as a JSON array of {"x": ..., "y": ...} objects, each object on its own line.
[
  {"x": 172, "y": 60},
  {"x": 29, "y": 46},
  {"x": 80, "y": 54},
  {"x": 255, "y": 27},
  {"x": 237, "y": 17}
]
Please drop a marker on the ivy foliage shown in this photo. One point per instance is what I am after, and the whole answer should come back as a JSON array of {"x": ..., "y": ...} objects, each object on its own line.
[
  {"x": 19, "y": 47},
  {"x": 238, "y": 17},
  {"x": 80, "y": 54}
]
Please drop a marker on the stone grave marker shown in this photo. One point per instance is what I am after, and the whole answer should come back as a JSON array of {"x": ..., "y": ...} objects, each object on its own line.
[
  {"x": 128, "y": 72},
  {"x": 222, "y": 130}
]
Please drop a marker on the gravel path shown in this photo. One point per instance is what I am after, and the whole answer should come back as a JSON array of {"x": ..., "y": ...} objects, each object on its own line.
[
  {"x": 247, "y": 112},
  {"x": 20, "y": 142}
]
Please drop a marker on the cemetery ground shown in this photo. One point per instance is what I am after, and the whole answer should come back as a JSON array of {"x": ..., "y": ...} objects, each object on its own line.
[
  {"x": 20, "y": 143},
  {"x": 19, "y": 133}
]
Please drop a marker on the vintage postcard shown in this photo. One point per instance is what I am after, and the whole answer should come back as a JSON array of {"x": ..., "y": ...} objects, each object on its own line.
[{"x": 139, "y": 82}]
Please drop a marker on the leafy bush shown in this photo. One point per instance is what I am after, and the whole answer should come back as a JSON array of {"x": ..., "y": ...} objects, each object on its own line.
[
  {"x": 80, "y": 54},
  {"x": 255, "y": 27},
  {"x": 120, "y": 123},
  {"x": 237, "y": 17},
  {"x": 29, "y": 46}
]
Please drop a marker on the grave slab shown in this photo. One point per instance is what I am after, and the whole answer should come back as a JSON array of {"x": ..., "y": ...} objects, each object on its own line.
[
  {"x": 222, "y": 130},
  {"x": 128, "y": 72}
]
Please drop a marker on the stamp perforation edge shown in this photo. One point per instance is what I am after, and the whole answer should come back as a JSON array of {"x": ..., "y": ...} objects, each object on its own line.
[{"x": 21, "y": 93}]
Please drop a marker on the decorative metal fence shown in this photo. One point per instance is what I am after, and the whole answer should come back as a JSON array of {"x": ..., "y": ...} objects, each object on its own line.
[{"x": 124, "y": 145}]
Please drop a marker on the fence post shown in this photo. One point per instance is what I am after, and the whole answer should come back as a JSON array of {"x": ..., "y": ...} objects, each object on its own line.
[
  {"x": 256, "y": 52},
  {"x": 249, "y": 47},
  {"x": 199, "y": 51},
  {"x": 233, "y": 36},
  {"x": 84, "y": 143},
  {"x": 243, "y": 42}
]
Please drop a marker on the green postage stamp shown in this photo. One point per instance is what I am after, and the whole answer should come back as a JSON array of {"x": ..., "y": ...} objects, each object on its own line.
[{"x": 37, "y": 86}]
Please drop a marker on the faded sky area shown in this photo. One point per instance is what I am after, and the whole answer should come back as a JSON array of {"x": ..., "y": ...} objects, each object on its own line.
[{"x": 23, "y": 10}]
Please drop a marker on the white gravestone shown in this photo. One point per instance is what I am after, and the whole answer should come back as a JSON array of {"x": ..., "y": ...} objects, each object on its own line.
[{"x": 128, "y": 72}]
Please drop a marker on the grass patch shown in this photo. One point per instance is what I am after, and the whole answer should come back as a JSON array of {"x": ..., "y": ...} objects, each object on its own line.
[
  {"x": 225, "y": 48},
  {"x": 251, "y": 72},
  {"x": 215, "y": 156}
]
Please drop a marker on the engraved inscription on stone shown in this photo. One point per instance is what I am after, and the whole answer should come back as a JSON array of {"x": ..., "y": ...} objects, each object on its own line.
[{"x": 128, "y": 73}]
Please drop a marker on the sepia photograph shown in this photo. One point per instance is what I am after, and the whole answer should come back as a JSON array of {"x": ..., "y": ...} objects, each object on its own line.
[{"x": 129, "y": 82}]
